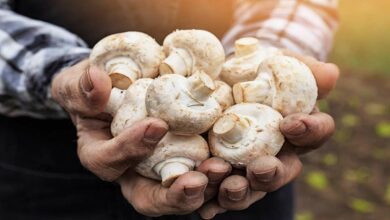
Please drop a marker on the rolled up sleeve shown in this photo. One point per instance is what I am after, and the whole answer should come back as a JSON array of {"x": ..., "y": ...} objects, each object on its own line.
[
  {"x": 31, "y": 53},
  {"x": 302, "y": 26}
]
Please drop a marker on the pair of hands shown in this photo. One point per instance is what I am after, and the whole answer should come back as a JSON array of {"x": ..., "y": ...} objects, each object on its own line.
[{"x": 214, "y": 187}]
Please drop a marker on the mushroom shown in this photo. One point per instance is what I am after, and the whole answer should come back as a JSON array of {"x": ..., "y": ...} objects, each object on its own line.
[
  {"x": 249, "y": 53},
  {"x": 115, "y": 101},
  {"x": 133, "y": 108},
  {"x": 186, "y": 104},
  {"x": 245, "y": 132},
  {"x": 223, "y": 94},
  {"x": 284, "y": 83},
  {"x": 174, "y": 156},
  {"x": 127, "y": 57},
  {"x": 189, "y": 51}
]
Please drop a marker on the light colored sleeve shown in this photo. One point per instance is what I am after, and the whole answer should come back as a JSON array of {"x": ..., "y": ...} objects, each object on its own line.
[{"x": 303, "y": 26}]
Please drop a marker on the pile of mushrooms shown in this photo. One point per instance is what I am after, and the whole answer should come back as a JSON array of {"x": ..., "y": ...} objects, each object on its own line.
[{"x": 187, "y": 83}]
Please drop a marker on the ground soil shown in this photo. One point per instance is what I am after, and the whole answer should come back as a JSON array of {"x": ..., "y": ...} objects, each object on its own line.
[{"x": 349, "y": 177}]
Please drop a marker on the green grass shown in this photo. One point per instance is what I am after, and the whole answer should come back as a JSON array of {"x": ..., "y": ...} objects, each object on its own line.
[{"x": 363, "y": 41}]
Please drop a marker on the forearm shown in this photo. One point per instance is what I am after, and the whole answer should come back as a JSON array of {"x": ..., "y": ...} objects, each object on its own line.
[
  {"x": 31, "y": 53},
  {"x": 305, "y": 27}
]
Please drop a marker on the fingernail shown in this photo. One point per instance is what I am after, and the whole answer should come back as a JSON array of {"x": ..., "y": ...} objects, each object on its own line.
[
  {"x": 265, "y": 176},
  {"x": 215, "y": 177},
  {"x": 237, "y": 195},
  {"x": 193, "y": 192},
  {"x": 154, "y": 134},
  {"x": 86, "y": 82},
  {"x": 295, "y": 128}
]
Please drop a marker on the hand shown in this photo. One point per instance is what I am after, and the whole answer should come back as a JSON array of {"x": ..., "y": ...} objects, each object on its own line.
[
  {"x": 266, "y": 174},
  {"x": 83, "y": 92},
  {"x": 185, "y": 195}
]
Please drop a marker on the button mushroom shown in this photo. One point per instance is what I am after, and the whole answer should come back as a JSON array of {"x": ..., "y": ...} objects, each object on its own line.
[
  {"x": 189, "y": 51},
  {"x": 133, "y": 108},
  {"x": 245, "y": 132},
  {"x": 174, "y": 156},
  {"x": 243, "y": 65},
  {"x": 186, "y": 104},
  {"x": 223, "y": 94},
  {"x": 284, "y": 83},
  {"x": 127, "y": 57}
]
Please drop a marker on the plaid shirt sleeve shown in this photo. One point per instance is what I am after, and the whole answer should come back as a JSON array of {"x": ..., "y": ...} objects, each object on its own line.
[
  {"x": 303, "y": 26},
  {"x": 31, "y": 53}
]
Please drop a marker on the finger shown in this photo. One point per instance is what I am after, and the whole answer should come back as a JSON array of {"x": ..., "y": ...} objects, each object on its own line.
[
  {"x": 326, "y": 74},
  {"x": 216, "y": 169},
  {"x": 307, "y": 131},
  {"x": 269, "y": 173},
  {"x": 210, "y": 209},
  {"x": 235, "y": 194},
  {"x": 82, "y": 89},
  {"x": 148, "y": 197},
  {"x": 109, "y": 157}
]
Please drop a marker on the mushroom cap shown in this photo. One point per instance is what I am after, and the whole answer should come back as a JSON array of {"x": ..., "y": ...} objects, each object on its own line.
[
  {"x": 192, "y": 147},
  {"x": 169, "y": 99},
  {"x": 243, "y": 65},
  {"x": 204, "y": 47},
  {"x": 262, "y": 136},
  {"x": 293, "y": 86},
  {"x": 142, "y": 49},
  {"x": 133, "y": 108}
]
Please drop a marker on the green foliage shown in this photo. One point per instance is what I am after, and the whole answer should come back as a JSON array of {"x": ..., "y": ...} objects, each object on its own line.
[
  {"x": 361, "y": 175},
  {"x": 304, "y": 216},
  {"x": 317, "y": 180},
  {"x": 361, "y": 205},
  {"x": 329, "y": 159},
  {"x": 350, "y": 120},
  {"x": 342, "y": 135},
  {"x": 323, "y": 105},
  {"x": 375, "y": 109},
  {"x": 387, "y": 194},
  {"x": 383, "y": 129}
]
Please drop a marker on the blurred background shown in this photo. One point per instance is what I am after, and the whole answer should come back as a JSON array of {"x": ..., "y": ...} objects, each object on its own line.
[{"x": 349, "y": 178}]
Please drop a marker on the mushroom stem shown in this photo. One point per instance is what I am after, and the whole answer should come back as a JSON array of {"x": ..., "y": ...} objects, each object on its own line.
[
  {"x": 123, "y": 72},
  {"x": 115, "y": 101},
  {"x": 201, "y": 86},
  {"x": 245, "y": 46},
  {"x": 231, "y": 128},
  {"x": 257, "y": 91},
  {"x": 172, "y": 168},
  {"x": 179, "y": 62}
]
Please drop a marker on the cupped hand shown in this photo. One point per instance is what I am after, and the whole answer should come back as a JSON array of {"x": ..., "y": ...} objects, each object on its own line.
[
  {"x": 266, "y": 174},
  {"x": 83, "y": 91}
]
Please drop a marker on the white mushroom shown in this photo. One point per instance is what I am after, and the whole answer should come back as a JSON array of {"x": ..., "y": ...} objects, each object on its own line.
[
  {"x": 284, "y": 83},
  {"x": 249, "y": 53},
  {"x": 184, "y": 103},
  {"x": 127, "y": 57},
  {"x": 133, "y": 108},
  {"x": 115, "y": 101},
  {"x": 174, "y": 156},
  {"x": 223, "y": 94},
  {"x": 245, "y": 132},
  {"x": 189, "y": 51}
]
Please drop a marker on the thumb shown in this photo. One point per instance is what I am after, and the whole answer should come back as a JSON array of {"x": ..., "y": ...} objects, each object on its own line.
[
  {"x": 82, "y": 89},
  {"x": 109, "y": 157}
]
